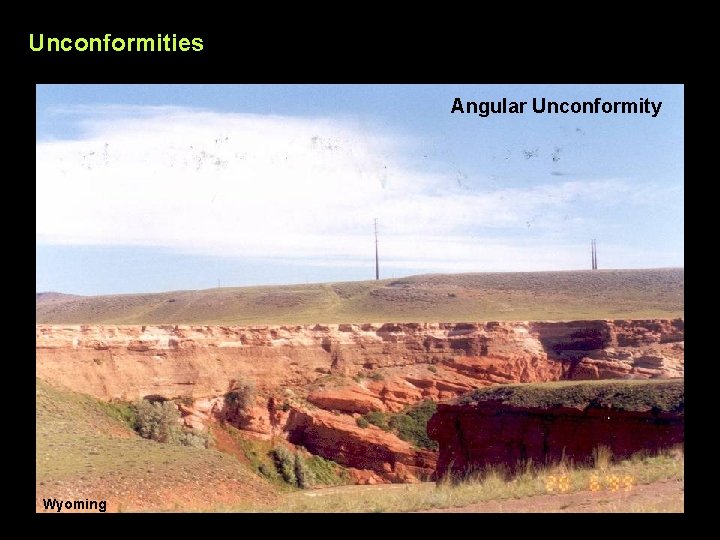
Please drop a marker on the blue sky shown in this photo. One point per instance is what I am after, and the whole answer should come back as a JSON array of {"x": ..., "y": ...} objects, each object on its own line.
[{"x": 164, "y": 187}]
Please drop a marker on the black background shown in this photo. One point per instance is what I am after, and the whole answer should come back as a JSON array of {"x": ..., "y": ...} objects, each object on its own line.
[{"x": 453, "y": 44}]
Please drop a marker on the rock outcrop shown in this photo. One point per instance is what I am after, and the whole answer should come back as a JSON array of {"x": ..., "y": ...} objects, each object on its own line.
[
  {"x": 617, "y": 350},
  {"x": 130, "y": 362},
  {"x": 339, "y": 438},
  {"x": 302, "y": 372},
  {"x": 476, "y": 434}
]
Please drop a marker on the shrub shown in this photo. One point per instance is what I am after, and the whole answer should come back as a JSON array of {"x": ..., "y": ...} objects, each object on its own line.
[
  {"x": 267, "y": 471},
  {"x": 432, "y": 368},
  {"x": 326, "y": 472},
  {"x": 362, "y": 422},
  {"x": 303, "y": 474},
  {"x": 376, "y": 376},
  {"x": 411, "y": 425},
  {"x": 285, "y": 464},
  {"x": 242, "y": 396},
  {"x": 196, "y": 439},
  {"x": 159, "y": 421},
  {"x": 379, "y": 419}
]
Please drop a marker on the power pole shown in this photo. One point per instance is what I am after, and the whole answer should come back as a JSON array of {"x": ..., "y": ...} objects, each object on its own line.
[
  {"x": 595, "y": 243},
  {"x": 377, "y": 261}
]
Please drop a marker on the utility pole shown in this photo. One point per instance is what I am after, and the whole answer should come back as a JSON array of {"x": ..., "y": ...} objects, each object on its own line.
[
  {"x": 595, "y": 242},
  {"x": 377, "y": 261}
]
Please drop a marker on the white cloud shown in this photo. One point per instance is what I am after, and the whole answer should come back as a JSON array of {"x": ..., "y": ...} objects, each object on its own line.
[{"x": 295, "y": 188}]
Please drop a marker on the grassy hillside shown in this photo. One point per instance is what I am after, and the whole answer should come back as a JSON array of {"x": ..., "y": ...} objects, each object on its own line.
[
  {"x": 663, "y": 395},
  {"x": 84, "y": 449},
  {"x": 601, "y": 294}
]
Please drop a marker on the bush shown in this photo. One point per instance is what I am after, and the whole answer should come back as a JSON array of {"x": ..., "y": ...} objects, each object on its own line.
[
  {"x": 303, "y": 474},
  {"x": 242, "y": 397},
  {"x": 298, "y": 471},
  {"x": 376, "y": 376},
  {"x": 326, "y": 472},
  {"x": 159, "y": 421},
  {"x": 379, "y": 419},
  {"x": 411, "y": 425},
  {"x": 360, "y": 421},
  {"x": 268, "y": 472},
  {"x": 196, "y": 439},
  {"x": 432, "y": 369},
  {"x": 285, "y": 464}
]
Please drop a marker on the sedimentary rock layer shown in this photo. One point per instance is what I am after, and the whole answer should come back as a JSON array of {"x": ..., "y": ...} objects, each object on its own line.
[
  {"x": 129, "y": 362},
  {"x": 313, "y": 382},
  {"x": 474, "y": 435}
]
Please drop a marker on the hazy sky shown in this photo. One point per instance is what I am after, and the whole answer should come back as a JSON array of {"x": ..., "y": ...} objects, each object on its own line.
[{"x": 162, "y": 187}]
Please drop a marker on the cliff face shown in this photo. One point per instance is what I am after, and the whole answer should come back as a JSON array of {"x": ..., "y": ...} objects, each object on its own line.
[
  {"x": 475, "y": 435},
  {"x": 368, "y": 449},
  {"x": 303, "y": 371},
  {"x": 129, "y": 362}
]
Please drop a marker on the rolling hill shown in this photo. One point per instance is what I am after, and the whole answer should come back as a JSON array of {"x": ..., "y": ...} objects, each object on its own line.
[{"x": 599, "y": 294}]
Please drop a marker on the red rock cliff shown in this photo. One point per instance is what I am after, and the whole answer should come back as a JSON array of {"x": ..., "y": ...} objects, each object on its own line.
[
  {"x": 473, "y": 435},
  {"x": 349, "y": 369},
  {"x": 129, "y": 362}
]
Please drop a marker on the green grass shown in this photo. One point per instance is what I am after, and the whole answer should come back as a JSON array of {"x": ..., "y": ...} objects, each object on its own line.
[
  {"x": 490, "y": 485},
  {"x": 262, "y": 459},
  {"x": 84, "y": 444},
  {"x": 410, "y": 424},
  {"x": 125, "y": 413},
  {"x": 602, "y": 294},
  {"x": 326, "y": 472},
  {"x": 630, "y": 395}
]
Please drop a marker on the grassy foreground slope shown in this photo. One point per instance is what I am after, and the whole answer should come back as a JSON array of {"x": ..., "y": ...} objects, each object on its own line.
[
  {"x": 85, "y": 450},
  {"x": 600, "y": 294}
]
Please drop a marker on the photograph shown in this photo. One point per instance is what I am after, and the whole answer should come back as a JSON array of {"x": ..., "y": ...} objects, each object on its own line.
[{"x": 358, "y": 298}]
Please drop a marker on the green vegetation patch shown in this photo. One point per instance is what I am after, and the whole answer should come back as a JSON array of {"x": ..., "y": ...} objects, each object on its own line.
[
  {"x": 287, "y": 468},
  {"x": 125, "y": 413},
  {"x": 409, "y": 425},
  {"x": 82, "y": 441},
  {"x": 327, "y": 472},
  {"x": 646, "y": 395}
]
